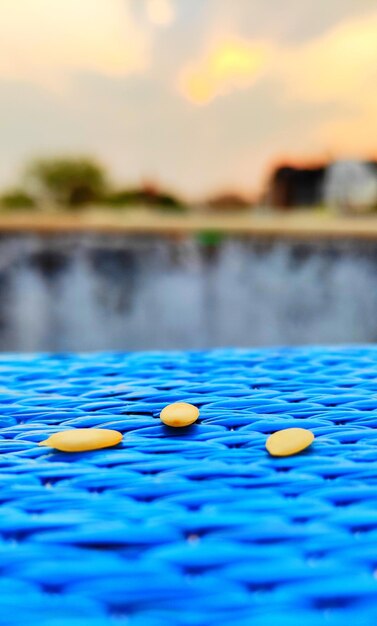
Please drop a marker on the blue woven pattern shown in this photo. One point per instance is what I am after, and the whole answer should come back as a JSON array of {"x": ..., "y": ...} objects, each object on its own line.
[{"x": 190, "y": 526}]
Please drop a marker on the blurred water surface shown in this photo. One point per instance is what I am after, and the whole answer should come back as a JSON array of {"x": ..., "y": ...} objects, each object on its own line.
[{"x": 93, "y": 293}]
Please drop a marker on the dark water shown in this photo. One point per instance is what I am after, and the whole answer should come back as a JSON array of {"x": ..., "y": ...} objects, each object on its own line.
[{"x": 93, "y": 293}]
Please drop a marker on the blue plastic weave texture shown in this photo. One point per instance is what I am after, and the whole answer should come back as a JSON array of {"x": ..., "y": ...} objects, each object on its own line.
[{"x": 190, "y": 526}]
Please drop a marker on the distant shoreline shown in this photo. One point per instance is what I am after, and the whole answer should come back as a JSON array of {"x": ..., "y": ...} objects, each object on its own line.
[{"x": 293, "y": 225}]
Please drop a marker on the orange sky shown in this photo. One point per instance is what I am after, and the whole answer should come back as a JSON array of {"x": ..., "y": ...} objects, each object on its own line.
[{"x": 198, "y": 94}]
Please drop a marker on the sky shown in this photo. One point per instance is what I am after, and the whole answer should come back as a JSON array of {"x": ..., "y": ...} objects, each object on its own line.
[{"x": 199, "y": 95}]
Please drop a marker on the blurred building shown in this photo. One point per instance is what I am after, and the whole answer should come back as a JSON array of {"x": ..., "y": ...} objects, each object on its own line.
[
  {"x": 345, "y": 185},
  {"x": 351, "y": 186},
  {"x": 296, "y": 186}
]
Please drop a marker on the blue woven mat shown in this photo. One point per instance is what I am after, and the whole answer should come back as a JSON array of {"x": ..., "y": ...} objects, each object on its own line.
[{"x": 190, "y": 526}]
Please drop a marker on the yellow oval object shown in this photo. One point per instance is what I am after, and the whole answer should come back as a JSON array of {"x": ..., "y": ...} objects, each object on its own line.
[
  {"x": 82, "y": 439},
  {"x": 289, "y": 441},
  {"x": 179, "y": 414}
]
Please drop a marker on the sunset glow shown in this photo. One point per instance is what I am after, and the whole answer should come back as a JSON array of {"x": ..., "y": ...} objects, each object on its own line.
[
  {"x": 196, "y": 94},
  {"x": 232, "y": 64}
]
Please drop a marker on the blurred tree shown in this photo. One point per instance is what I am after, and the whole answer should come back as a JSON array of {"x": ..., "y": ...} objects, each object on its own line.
[
  {"x": 16, "y": 199},
  {"x": 230, "y": 201},
  {"x": 146, "y": 195},
  {"x": 124, "y": 198},
  {"x": 70, "y": 182}
]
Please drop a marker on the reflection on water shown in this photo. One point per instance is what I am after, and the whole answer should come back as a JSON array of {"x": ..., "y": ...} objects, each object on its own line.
[{"x": 93, "y": 293}]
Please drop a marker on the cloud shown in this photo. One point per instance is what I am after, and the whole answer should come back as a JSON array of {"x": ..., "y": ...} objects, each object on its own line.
[
  {"x": 45, "y": 40},
  {"x": 340, "y": 64},
  {"x": 209, "y": 102},
  {"x": 160, "y": 12},
  {"x": 229, "y": 65},
  {"x": 339, "y": 67}
]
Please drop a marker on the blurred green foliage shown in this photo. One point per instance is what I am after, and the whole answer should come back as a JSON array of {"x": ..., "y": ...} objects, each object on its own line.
[
  {"x": 68, "y": 182},
  {"x": 146, "y": 197},
  {"x": 210, "y": 238},
  {"x": 72, "y": 183},
  {"x": 16, "y": 199}
]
